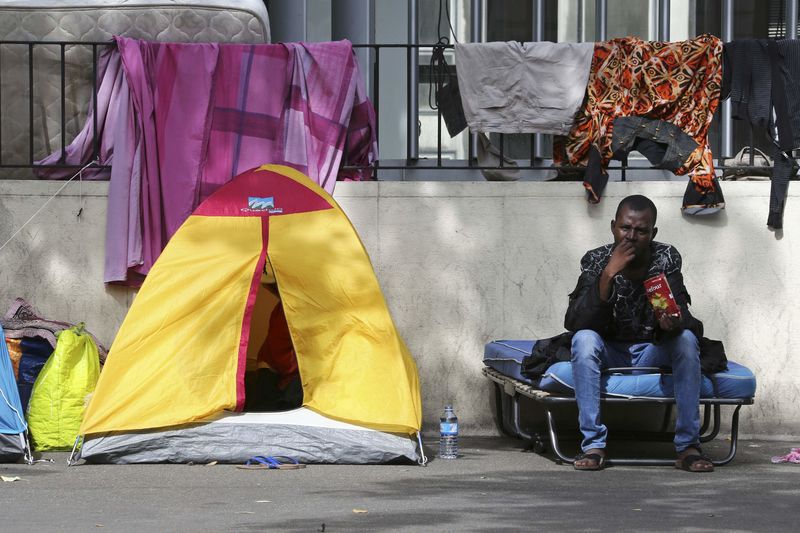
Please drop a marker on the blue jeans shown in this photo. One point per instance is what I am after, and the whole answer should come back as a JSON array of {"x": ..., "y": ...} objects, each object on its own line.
[{"x": 591, "y": 354}]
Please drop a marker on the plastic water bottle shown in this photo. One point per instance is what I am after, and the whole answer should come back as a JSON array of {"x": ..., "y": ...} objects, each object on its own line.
[{"x": 448, "y": 434}]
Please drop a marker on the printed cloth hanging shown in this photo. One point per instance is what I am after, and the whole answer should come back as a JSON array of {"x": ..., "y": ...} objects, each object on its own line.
[
  {"x": 178, "y": 120},
  {"x": 676, "y": 82}
]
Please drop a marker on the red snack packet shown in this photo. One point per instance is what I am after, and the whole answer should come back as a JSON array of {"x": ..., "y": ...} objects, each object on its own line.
[{"x": 660, "y": 296}]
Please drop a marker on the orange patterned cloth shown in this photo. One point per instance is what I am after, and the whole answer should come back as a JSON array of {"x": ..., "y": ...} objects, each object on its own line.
[{"x": 677, "y": 82}]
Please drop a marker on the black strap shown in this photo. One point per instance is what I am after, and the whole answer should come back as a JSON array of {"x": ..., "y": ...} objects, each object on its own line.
[
  {"x": 784, "y": 127},
  {"x": 440, "y": 72}
]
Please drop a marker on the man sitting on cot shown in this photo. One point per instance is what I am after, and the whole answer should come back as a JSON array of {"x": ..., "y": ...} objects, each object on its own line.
[
  {"x": 616, "y": 326},
  {"x": 275, "y": 385}
]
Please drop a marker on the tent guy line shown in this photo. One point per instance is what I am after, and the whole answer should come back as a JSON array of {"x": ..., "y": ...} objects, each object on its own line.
[{"x": 78, "y": 175}]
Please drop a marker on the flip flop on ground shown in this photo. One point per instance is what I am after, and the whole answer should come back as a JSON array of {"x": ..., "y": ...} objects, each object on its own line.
[
  {"x": 591, "y": 460},
  {"x": 270, "y": 462},
  {"x": 694, "y": 461}
]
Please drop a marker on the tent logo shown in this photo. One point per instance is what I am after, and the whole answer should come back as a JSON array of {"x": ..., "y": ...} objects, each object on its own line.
[
  {"x": 260, "y": 204},
  {"x": 256, "y": 203}
]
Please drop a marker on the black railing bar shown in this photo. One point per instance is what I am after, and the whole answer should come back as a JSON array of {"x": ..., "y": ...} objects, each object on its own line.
[
  {"x": 30, "y": 103},
  {"x": 624, "y": 167},
  {"x": 55, "y": 165},
  {"x": 470, "y": 150},
  {"x": 533, "y": 147},
  {"x": 435, "y": 168},
  {"x": 55, "y": 43},
  {"x": 467, "y": 165},
  {"x": 409, "y": 122},
  {"x": 409, "y": 46},
  {"x": 432, "y": 167},
  {"x": 111, "y": 41},
  {"x": 438, "y": 132},
  {"x": 502, "y": 150},
  {"x": 1, "y": 106},
  {"x": 376, "y": 98},
  {"x": 95, "y": 136},
  {"x": 63, "y": 102}
]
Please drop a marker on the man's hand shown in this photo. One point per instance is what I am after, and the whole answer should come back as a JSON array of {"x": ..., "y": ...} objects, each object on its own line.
[
  {"x": 669, "y": 322},
  {"x": 622, "y": 255}
]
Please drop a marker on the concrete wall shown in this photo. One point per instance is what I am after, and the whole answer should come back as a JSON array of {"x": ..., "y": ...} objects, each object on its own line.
[{"x": 464, "y": 263}]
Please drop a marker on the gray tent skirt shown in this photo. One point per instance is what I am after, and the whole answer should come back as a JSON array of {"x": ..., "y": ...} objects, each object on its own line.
[{"x": 235, "y": 437}]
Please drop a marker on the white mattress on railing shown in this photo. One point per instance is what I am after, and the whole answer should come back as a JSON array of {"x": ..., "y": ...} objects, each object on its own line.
[
  {"x": 162, "y": 20},
  {"x": 244, "y": 21}
]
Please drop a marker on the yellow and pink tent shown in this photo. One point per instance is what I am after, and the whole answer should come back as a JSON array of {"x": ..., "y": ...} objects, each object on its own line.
[{"x": 178, "y": 362}]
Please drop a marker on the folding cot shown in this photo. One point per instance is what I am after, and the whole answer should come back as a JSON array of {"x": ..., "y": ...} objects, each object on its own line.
[{"x": 632, "y": 389}]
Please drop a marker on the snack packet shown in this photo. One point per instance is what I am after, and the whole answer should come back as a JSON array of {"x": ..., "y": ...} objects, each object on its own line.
[{"x": 660, "y": 296}]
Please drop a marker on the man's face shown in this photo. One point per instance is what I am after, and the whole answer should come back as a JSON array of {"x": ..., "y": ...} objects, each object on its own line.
[{"x": 635, "y": 227}]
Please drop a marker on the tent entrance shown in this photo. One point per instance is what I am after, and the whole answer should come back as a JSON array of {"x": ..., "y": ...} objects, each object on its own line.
[{"x": 272, "y": 379}]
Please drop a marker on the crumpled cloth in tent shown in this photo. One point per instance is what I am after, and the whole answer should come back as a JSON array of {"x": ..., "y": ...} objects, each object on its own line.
[
  {"x": 28, "y": 357},
  {"x": 22, "y": 320},
  {"x": 178, "y": 120}
]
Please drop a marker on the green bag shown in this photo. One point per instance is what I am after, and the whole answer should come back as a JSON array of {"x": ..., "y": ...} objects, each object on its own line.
[{"x": 60, "y": 392}]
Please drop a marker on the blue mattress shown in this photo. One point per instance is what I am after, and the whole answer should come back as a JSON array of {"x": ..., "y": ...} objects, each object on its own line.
[{"x": 506, "y": 356}]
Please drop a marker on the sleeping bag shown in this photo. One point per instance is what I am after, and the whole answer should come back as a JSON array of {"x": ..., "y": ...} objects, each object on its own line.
[{"x": 60, "y": 393}]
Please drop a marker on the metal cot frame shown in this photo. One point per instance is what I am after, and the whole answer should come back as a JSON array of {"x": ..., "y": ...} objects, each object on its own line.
[{"x": 508, "y": 392}]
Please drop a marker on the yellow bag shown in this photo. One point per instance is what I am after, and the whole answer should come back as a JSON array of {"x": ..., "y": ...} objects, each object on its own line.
[{"x": 60, "y": 392}]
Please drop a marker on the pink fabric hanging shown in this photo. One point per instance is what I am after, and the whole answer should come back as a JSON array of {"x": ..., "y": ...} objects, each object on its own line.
[{"x": 177, "y": 121}]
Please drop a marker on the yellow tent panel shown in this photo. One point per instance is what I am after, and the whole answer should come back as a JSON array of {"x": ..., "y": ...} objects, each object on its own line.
[{"x": 181, "y": 353}]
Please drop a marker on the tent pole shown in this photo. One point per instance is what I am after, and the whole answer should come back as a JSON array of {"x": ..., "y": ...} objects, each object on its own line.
[
  {"x": 70, "y": 462},
  {"x": 26, "y": 446},
  {"x": 423, "y": 461}
]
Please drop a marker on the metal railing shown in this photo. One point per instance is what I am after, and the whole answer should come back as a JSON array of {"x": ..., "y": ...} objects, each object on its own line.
[
  {"x": 38, "y": 138},
  {"x": 533, "y": 162},
  {"x": 26, "y": 96}
]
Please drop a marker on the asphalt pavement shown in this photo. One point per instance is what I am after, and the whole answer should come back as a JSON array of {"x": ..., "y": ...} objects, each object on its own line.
[{"x": 492, "y": 486}]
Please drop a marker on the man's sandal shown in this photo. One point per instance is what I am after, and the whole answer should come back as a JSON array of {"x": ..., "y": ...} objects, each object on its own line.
[
  {"x": 694, "y": 462},
  {"x": 594, "y": 461}
]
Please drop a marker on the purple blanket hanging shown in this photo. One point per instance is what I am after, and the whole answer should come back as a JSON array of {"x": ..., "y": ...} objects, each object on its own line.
[{"x": 176, "y": 121}]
